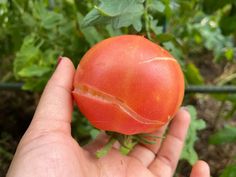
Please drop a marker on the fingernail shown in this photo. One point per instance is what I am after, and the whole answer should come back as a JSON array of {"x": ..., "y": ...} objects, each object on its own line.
[{"x": 59, "y": 60}]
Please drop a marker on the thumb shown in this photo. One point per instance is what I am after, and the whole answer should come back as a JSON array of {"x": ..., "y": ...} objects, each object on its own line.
[{"x": 54, "y": 110}]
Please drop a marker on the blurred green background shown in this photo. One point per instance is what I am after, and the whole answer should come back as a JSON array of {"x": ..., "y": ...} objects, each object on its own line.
[{"x": 201, "y": 34}]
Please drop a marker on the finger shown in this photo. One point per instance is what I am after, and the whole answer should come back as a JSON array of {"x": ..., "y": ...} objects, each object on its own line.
[
  {"x": 168, "y": 155},
  {"x": 54, "y": 110},
  {"x": 146, "y": 153},
  {"x": 200, "y": 169}
]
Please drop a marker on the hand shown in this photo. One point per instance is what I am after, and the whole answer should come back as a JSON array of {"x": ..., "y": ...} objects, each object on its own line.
[{"x": 48, "y": 150}]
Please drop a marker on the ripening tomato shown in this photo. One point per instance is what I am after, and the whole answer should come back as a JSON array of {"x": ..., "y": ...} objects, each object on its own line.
[{"x": 129, "y": 85}]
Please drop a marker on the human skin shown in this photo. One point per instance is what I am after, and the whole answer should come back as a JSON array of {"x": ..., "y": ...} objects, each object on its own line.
[{"x": 47, "y": 149}]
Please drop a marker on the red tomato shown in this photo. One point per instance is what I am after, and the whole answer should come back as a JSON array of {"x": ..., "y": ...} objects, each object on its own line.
[{"x": 129, "y": 85}]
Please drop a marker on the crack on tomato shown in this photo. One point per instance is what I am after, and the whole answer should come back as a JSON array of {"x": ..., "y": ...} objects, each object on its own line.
[
  {"x": 97, "y": 94},
  {"x": 158, "y": 58}
]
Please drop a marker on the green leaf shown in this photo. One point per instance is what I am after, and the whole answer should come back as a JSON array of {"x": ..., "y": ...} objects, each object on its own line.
[
  {"x": 50, "y": 20},
  {"x": 118, "y": 13},
  {"x": 46, "y": 18},
  {"x": 193, "y": 75},
  {"x": 32, "y": 65},
  {"x": 210, "y": 6},
  {"x": 168, "y": 10},
  {"x": 207, "y": 34},
  {"x": 28, "y": 20},
  {"x": 189, "y": 152},
  {"x": 28, "y": 53},
  {"x": 156, "y": 29},
  {"x": 229, "y": 53},
  {"x": 90, "y": 33},
  {"x": 228, "y": 24},
  {"x": 157, "y": 5},
  {"x": 34, "y": 71},
  {"x": 165, "y": 37},
  {"x": 197, "y": 38},
  {"x": 112, "y": 31},
  {"x": 229, "y": 171},
  {"x": 35, "y": 84},
  {"x": 226, "y": 135}
]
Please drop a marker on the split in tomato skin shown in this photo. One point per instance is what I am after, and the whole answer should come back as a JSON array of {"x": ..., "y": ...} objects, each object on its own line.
[{"x": 129, "y": 85}]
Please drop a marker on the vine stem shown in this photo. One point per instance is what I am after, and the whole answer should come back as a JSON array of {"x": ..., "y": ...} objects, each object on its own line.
[
  {"x": 105, "y": 149},
  {"x": 147, "y": 21},
  {"x": 127, "y": 142}
]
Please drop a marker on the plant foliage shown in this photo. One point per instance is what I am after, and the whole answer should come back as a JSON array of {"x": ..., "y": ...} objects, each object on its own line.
[
  {"x": 225, "y": 135},
  {"x": 33, "y": 33},
  {"x": 229, "y": 171},
  {"x": 53, "y": 28},
  {"x": 118, "y": 13},
  {"x": 189, "y": 152}
]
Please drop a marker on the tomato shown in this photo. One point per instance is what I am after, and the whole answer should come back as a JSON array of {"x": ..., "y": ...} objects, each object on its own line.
[{"x": 128, "y": 84}]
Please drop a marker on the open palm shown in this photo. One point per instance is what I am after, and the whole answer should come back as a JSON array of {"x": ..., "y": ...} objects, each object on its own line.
[{"x": 48, "y": 150}]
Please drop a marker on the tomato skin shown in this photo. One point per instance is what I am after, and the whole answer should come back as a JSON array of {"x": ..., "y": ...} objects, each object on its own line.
[{"x": 129, "y": 85}]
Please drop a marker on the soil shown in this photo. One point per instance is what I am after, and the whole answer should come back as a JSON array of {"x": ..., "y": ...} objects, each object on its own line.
[
  {"x": 17, "y": 109},
  {"x": 218, "y": 156}
]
